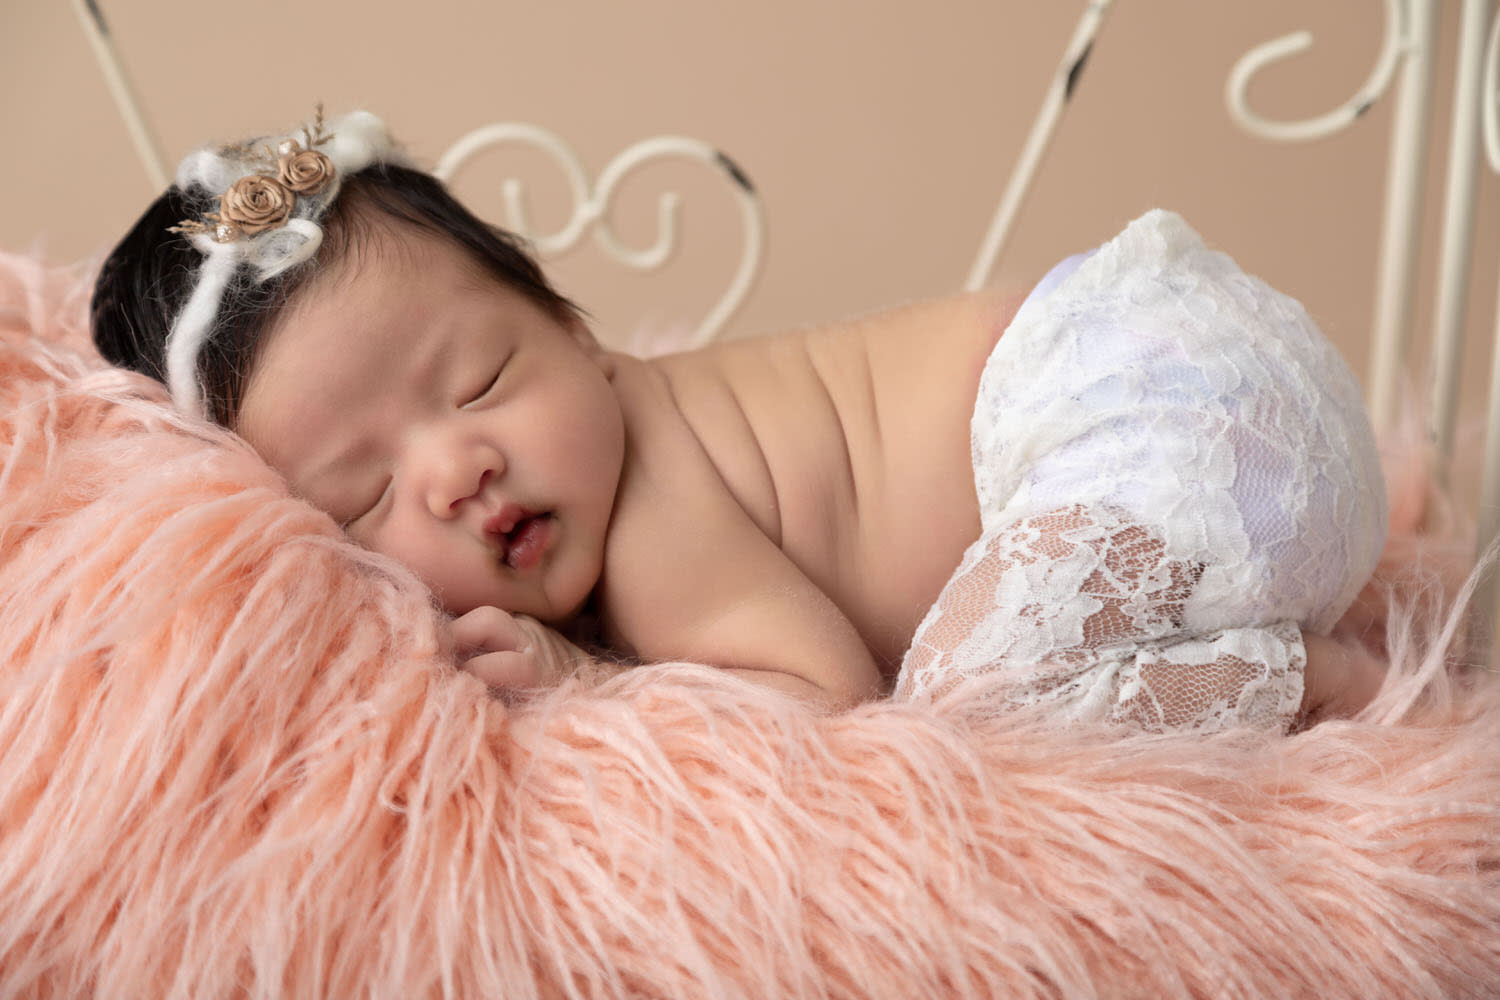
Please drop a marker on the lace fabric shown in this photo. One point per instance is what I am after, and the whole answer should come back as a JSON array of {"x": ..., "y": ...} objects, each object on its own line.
[{"x": 1176, "y": 477}]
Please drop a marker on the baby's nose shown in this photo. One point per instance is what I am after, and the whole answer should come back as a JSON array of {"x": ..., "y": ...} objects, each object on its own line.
[{"x": 458, "y": 477}]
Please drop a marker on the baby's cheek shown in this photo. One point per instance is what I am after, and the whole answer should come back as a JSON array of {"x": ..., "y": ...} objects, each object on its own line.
[{"x": 456, "y": 578}]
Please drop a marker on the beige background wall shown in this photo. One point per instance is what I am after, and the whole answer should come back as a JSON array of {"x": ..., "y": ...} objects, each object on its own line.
[{"x": 879, "y": 134}]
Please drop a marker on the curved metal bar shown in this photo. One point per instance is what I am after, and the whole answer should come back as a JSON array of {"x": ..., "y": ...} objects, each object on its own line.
[
  {"x": 666, "y": 216},
  {"x": 753, "y": 225},
  {"x": 1396, "y": 40},
  {"x": 1456, "y": 252},
  {"x": 518, "y": 219},
  {"x": 591, "y": 204},
  {"x": 1064, "y": 81}
]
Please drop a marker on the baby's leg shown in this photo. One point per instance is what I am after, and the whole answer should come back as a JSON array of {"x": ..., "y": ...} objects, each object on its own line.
[{"x": 1081, "y": 609}]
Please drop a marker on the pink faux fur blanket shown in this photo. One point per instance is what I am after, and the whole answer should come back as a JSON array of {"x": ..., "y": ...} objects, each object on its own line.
[{"x": 237, "y": 762}]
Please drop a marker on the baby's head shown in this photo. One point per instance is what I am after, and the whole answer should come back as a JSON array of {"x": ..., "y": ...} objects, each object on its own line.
[
  {"x": 406, "y": 366},
  {"x": 173, "y": 250}
]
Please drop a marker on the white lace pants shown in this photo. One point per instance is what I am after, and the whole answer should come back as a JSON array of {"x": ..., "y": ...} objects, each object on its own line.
[{"x": 1176, "y": 477}]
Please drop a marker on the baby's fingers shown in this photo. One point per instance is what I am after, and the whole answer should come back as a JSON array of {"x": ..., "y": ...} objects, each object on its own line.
[
  {"x": 505, "y": 669},
  {"x": 487, "y": 630}
]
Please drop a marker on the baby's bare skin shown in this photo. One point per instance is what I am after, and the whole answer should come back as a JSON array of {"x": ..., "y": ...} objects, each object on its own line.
[
  {"x": 805, "y": 499},
  {"x": 848, "y": 446}
]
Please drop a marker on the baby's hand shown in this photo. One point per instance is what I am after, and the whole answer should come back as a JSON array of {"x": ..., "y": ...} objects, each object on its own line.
[{"x": 512, "y": 651}]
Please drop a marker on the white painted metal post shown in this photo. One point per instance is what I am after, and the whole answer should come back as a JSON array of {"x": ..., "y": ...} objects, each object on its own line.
[
  {"x": 1400, "y": 229},
  {"x": 1458, "y": 229},
  {"x": 146, "y": 147},
  {"x": 1063, "y": 82},
  {"x": 1487, "y": 596}
]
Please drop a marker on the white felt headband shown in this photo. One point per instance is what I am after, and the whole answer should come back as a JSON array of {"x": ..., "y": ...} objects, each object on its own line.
[{"x": 271, "y": 192}]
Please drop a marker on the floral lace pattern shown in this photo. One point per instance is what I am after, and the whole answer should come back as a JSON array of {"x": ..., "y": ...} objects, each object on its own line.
[{"x": 1176, "y": 477}]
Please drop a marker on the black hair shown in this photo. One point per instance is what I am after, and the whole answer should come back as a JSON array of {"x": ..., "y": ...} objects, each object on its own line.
[{"x": 148, "y": 277}]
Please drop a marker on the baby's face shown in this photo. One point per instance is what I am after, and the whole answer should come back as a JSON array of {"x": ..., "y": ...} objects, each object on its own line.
[{"x": 447, "y": 422}]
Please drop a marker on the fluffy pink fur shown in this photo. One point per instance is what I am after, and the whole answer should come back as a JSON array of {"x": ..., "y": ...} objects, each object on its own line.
[{"x": 238, "y": 761}]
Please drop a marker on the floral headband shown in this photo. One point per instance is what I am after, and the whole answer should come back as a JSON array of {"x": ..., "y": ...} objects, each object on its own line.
[{"x": 271, "y": 194}]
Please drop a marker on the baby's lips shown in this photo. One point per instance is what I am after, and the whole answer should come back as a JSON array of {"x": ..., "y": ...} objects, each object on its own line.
[
  {"x": 527, "y": 543},
  {"x": 504, "y": 522},
  {"x": 499, "y": 528}
]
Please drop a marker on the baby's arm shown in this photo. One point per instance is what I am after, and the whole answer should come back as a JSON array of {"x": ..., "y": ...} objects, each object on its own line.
[{"x": 689, "y": 576}]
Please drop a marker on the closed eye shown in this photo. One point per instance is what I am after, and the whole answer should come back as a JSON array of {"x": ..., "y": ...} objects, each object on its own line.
[
  {"x": 482, "y": 392},
  {"x": 367, "y": 508}
]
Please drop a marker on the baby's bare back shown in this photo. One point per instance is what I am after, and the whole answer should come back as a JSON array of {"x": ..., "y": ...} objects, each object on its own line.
[{"x": 848, "y": 447}]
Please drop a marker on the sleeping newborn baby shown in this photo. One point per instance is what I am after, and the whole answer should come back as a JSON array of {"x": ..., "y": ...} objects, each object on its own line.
[{"x": 1143, "y": 497}]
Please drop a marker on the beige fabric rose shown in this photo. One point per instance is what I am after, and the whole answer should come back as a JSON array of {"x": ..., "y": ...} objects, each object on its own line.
[
  {"x": 256, "y": 203},
  {"x": 305, "y": 171}
]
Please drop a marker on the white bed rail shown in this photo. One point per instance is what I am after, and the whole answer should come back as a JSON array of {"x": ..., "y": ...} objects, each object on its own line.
[{"x": 1489, "y": 491}]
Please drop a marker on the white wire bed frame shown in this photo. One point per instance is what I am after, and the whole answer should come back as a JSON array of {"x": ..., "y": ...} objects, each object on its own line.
[{"x": 1406, "y": 60}]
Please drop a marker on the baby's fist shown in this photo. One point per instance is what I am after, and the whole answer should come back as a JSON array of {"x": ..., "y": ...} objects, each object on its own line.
[
  {"x": 511, "y": 651},
  {"x": 492, "y": 646}
]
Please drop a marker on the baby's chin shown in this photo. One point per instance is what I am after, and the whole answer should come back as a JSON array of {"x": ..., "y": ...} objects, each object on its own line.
[
  {"x": 576, "y": 593},
  {"x": 584, "y": 609}
]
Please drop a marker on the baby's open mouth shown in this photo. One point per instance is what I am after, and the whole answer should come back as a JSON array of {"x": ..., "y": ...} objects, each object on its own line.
[{"x": 520, "y": 535}]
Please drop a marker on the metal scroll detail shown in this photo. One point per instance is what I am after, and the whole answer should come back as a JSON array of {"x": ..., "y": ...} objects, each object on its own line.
[
  {"x": 591, "y": 204},
  {"x": 1399, "y": 40}
]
